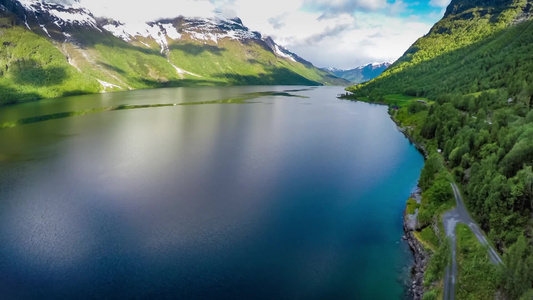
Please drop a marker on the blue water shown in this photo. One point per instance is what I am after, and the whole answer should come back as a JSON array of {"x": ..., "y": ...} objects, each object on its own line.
[{"x": 292, "y": 195}]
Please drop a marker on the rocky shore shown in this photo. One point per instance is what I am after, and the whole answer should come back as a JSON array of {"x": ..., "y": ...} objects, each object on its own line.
[
  {"x": 421, "y": 256},
  {"x": 417, "y": 145}
]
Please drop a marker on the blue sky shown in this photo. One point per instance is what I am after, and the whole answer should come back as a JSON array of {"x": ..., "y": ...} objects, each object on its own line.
[
  {"x": 420, "y": 8},
  {"x": 329, "y": 33}
]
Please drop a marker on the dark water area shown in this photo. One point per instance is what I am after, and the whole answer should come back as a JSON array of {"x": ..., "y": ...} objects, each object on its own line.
[{"x": 203, "y": 193}]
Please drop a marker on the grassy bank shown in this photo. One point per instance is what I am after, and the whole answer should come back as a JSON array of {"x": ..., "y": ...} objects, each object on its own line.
[{"x": 477, "y": 278}]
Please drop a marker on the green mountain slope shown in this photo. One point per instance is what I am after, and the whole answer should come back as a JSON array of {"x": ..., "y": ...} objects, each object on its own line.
[
  {"x": 469, "y": 51},
  {"x": 31, "y": 67},
  {"x": 475, "y": 67},
  {"x": 42, "y": 56}
]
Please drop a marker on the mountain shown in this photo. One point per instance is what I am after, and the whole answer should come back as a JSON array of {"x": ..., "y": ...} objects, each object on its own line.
[
  {"x": 475, "y": 69},
  {"x": 472, "y": 42},
  {"x": 52, "y": 50},
  {"x": 362, "y": 73}
]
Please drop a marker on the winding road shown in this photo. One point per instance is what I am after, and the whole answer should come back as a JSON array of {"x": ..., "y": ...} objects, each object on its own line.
[{"x": 450, "y": 219}]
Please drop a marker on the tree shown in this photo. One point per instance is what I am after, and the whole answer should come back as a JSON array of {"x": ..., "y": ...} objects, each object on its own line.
[
  {"x": 517, "y": 274},
  {"x": 441, "y": 191}
]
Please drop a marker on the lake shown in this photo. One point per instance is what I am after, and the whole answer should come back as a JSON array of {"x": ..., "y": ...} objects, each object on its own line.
[{"x": 269, "y": 192}]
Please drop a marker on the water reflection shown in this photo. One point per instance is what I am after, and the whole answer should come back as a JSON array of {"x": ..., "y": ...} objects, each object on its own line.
[
  {"x": 40, "y": 117},
  {"x": 271, "y": 200}
]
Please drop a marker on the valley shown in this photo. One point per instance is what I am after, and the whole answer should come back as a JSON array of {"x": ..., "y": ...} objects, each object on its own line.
[{"x": 192, "y": 156}]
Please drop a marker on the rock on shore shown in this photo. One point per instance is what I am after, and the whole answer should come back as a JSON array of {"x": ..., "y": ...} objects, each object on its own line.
[{"x": 416, "y": 288}]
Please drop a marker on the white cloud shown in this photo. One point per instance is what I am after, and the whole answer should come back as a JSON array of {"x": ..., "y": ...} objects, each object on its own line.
[
  {"x": 439, "y": 3},
  {"x": 337, "y": 33},
  {"x": 398, "y": 7},
  {"x": 343, "y": 39},
  {"x": 372, "y": 38},
  {"x": 149, "y": 10},
  {"x": 346, "y": 5}
]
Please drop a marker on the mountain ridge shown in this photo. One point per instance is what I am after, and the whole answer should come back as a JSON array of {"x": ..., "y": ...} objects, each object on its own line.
[
  {"x": 111, "y": 55},
  {"x": 362, "y": 73}
]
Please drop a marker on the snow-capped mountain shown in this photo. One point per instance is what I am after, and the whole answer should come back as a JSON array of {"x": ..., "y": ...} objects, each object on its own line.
[
  {"x": 43, "y": 15},
  {"x": 62, "y": 18},
  {"x": 281, "y": 51},
  {"x": 362, "y": 73},
  {"x": 162, "y": 31},
  {"x": 170, "y": 52}
]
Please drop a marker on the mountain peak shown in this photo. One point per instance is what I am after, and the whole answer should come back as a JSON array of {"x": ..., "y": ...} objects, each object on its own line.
[
  {"x": 51, "y": 16},
  {"x": 237, "y": 20},
  {"x": 461, "y": 6},
  {"x": 362, "y": 73}
]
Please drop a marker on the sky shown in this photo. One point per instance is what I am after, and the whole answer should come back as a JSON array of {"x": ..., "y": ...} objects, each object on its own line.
[{"x": 329, "y": 33}]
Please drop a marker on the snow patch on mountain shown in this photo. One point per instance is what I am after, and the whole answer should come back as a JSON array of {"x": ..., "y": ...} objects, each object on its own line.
[
  {"x": 45, "y": 30},
  {"x": 217, "y": 29},
  {"x": 171, "y": 31},
  {"x": 181, "y": 71},
  {"x": 27, "y": 4},
  {"x": 58, "y": 14},
  {"x": 195, "y": 29},
  {"x": 118, "y": 31},
  {"x": 79, "y": 18},
  {"x": 48, "y": 15},
  {"x": 279, "y": 52},
  {"x": 157, "y": 31},
  {"x": 282, "y": 52},
  {"x": 107, "y": 85}
]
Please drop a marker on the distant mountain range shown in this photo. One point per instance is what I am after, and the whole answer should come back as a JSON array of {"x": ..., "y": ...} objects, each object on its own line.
[
  {"x": 52, "y": 50},
  {"x": 362, "y": 73}
]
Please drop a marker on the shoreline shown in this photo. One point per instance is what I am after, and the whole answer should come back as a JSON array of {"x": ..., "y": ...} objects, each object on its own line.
[
  {"x": 417, "y": 145},
  {"x": 401, "y": 129},
  {"x": 421, "y": 256}
]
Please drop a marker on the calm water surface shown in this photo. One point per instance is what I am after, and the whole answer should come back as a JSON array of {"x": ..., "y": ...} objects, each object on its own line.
[{"x": 251, "y": 193}]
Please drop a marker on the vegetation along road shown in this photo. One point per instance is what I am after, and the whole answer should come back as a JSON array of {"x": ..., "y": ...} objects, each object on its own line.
[{"x": 460, "y": 215}]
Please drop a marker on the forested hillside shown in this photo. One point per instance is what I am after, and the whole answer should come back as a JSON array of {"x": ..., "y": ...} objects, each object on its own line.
[
  {"x": 475, "y": 69},
  {"x": 475, "y": 50}
]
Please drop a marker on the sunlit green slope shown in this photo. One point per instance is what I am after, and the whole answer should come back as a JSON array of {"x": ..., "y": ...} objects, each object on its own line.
[
  {"x": 39, "y": 59},
  {"x": 472, "y": 49}
]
